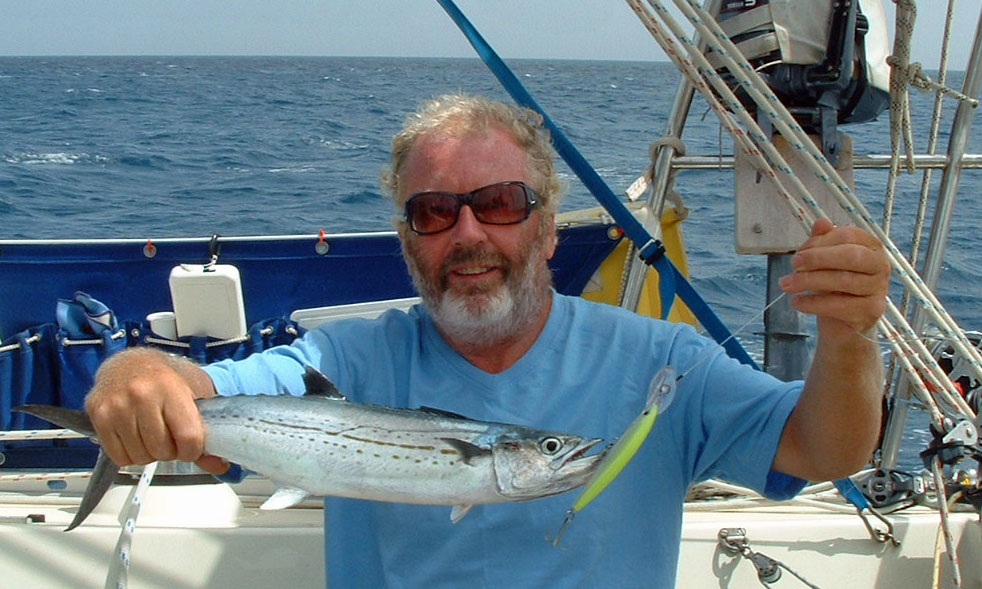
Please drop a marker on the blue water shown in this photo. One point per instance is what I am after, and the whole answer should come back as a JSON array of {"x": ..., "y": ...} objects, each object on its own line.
[{"x": 178, "y": 146}]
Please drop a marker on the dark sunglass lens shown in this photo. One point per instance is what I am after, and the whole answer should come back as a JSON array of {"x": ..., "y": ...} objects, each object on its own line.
[
  {"x": 500, "y": 204},
  {"x": 431, "y": 212}
]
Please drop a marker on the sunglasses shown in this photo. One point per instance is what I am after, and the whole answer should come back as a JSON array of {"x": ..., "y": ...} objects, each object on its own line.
[{"x": 504, "y": 203}]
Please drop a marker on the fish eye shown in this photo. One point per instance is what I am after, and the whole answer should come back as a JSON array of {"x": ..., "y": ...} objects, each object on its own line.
[{"x": 550, "y": 445}]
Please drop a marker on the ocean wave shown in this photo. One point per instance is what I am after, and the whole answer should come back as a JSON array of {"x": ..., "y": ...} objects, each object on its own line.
[
  {"x": 56, "y": 158},
  {"x": 341, "y": 145},
  {"x": 292, "y": 170}
]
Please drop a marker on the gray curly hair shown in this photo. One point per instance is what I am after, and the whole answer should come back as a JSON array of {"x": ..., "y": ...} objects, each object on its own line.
[{"x": 461, "y": 113}]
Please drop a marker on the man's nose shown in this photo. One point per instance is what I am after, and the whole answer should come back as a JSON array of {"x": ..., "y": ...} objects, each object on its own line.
[{"x": 467, "y": 229}]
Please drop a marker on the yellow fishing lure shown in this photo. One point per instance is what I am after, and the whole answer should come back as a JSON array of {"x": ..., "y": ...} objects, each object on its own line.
[{"x": 661, "y": 392}]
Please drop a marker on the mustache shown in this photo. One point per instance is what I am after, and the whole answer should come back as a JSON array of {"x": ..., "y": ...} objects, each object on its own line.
[{"x": 474, "y": 255}]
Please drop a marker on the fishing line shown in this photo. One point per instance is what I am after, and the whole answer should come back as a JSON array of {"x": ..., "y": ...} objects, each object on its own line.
[{"x": 710, "y": 352}]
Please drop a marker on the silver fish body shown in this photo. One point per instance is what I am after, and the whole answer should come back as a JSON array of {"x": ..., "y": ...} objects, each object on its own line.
[
  {"x": 321, "y": 444},
  {"x": 327, "y": 446}
]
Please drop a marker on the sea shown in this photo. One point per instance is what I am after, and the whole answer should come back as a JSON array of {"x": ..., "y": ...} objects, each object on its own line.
[{"x": 106, "y": 147}]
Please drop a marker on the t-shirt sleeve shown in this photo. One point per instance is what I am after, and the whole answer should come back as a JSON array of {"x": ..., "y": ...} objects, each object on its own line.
[
  {"x": 278, "y": 370},
  {"x": 735, "y": 418}
]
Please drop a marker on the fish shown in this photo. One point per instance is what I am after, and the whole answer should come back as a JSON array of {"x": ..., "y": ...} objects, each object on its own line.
[{"x": 321, "y": 444}]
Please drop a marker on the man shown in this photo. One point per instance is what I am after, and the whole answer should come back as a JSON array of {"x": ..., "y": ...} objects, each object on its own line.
[{"x": 493, "y": 341}]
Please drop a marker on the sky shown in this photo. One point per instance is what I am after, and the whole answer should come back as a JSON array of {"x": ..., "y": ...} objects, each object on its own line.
[{"x": 548, "y": 29}]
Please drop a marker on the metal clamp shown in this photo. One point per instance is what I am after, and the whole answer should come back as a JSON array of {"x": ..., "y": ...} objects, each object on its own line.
[
  {"x": 877, "y": 534},
  {"x": 958, "y": 442},
  {"x": 214, "y": 249},
  {"x": 851, "y": 492},
  {"x": 734, "y": 541},
  {"x": 963, "y": 432}
]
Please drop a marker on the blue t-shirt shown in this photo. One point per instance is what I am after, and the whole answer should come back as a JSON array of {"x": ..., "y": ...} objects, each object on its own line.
[{"x": 588, "y": 373}]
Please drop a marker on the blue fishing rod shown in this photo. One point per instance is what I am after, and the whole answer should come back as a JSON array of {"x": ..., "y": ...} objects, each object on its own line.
[{"x": 671, "y": 282}]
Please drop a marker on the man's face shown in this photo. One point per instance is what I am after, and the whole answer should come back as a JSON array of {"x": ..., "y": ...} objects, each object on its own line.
[{"x": 476, "y": 277}]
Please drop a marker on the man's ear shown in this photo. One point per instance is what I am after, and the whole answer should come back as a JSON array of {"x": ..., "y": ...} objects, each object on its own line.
[{"x": 553, "y": 242}]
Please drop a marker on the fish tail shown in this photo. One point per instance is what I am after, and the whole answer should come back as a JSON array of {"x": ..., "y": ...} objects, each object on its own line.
[{"x": 103, "y": 475}]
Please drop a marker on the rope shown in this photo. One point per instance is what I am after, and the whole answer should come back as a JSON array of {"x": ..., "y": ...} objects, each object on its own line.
[
  {"x": 39, "y": 434},
  {"x": 118, "y": 575},
  {"x": 91, "y": 342},
  {"x": 755, "y": 144},
  {"x": 938, "y": 540},
  {"x": 43, "y": 477},
  {"x": 899, "y": 100},
  {"x": 743, "y": 139},
  {"x": 902, "y": 74},
  {"x": 915, "y": 358},
  {"x": 899, "y": 111},
  {"x": 29, "y": 340},
  {"x": 914, "y": 74},
  {"x": 932, "y": 140},
  {"x": 945, "y": 530}
]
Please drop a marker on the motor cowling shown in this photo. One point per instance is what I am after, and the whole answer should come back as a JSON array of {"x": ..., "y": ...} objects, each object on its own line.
[{"x": 825, "y": 59}]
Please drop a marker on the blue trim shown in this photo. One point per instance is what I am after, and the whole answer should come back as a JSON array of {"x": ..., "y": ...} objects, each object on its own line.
[
  {"x": 279, "y": 275},
  {"x": 651, "y": 250},
  {"x": 851, "y": 492}
]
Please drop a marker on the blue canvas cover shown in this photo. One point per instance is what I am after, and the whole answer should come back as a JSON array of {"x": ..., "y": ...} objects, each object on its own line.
[{"x": 102, "y": 292}]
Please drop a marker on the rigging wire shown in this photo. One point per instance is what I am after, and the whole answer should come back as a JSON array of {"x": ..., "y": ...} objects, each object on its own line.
[
  {"x": 909, "y": 350},
  {"x": 694, "y": 65}
]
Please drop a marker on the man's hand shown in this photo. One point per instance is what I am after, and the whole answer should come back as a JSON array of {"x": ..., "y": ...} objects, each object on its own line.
[
  {"x": 142, "y": 408},
  {"x": 842, "y": 276}
]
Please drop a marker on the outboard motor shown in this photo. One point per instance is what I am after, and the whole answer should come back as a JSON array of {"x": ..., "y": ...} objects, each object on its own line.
[{"x": 825, "y": 59}]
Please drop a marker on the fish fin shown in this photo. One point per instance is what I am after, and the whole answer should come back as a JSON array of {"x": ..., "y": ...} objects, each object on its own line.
[
  {"x": 443, "y": 413},
  {"x": 458, "y": 512},
  {"x": 319, "y": 385},
  {"x": 72, "y": 419},
  {"x": 103, "y": 475},
  {"x": 468, "y": 451},
  {"x": 284, "y": 497}
]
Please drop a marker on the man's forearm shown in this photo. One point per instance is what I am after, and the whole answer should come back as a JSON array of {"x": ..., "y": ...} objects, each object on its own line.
[{"x": 833, "y": 429}]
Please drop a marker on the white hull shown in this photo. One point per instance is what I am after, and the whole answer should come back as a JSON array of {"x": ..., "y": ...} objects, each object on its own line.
[
  {"x": 827, "y": 549},
  {"x": 186, "y": 536},
  {"x": 209, "y": 536}
]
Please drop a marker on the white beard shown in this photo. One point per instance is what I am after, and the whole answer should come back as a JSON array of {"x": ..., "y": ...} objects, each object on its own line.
[
  {"x": 501, "y": 315},
  {"x": 487, "y": 317}
]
